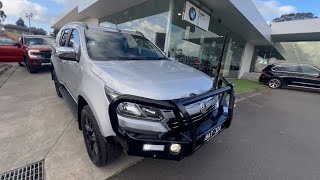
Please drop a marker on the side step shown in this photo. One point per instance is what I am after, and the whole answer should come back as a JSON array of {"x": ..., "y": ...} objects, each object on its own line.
[{"x": 69, "y": 101}]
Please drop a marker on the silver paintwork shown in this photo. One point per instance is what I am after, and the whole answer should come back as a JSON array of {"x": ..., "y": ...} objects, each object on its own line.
[{"x": 160, "y": 80}]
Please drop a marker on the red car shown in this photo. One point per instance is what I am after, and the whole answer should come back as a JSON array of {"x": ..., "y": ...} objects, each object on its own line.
[
  {"x": 10, "y": 50},
  {"x": 37, "y": 51}
]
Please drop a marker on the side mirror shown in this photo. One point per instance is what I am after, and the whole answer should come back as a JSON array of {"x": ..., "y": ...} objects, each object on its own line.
[
  {"x": 66, "y": 53},
  {"x": 18, "y": 45}
]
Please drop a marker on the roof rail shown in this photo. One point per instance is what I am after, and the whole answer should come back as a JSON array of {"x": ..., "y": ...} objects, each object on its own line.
[{"x": 80, "y": 23}]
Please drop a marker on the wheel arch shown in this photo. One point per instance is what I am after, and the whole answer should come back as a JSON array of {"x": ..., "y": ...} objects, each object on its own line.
[{"x": 81, "y": 103}]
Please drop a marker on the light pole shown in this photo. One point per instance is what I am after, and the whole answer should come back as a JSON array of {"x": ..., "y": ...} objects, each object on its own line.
[{"x": 29, "y": 16}]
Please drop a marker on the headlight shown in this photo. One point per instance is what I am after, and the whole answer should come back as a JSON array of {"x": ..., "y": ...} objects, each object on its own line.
[
  {"x": 134, "y": 110},
  {"x": 139, "y": 111},
  {"x": 34, "y": 53}
]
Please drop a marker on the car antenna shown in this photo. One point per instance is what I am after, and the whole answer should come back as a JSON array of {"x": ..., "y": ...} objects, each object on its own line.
[{"x": 217, "y": 75}]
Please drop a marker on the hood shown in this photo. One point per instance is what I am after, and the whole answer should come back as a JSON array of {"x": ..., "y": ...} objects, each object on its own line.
[
  {"x": 40, "y": 47},
  {"x": 160, "y": 80}
]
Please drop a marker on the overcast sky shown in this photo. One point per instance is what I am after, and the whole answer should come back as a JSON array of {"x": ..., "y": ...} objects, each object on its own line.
[{"x": 45, "y": 11}]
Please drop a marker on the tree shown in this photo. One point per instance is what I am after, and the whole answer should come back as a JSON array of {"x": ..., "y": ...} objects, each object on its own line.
[
  {"x": 20, "y": 22},
  {"x": 2, "y": 14},
  {"x": 295, "y": 16}
]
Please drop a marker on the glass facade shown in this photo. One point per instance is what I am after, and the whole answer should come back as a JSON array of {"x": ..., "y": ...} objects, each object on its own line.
[
  {"x": 293, "y": 52},
  {"x": 161, "y": 22}
]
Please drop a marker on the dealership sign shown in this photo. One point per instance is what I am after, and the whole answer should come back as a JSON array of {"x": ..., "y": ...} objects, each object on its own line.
[{"x": 195, "y": 16}]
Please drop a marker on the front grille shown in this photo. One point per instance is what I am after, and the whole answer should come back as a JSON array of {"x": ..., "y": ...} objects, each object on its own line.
[
  {"x": 198, "y": 118},
  {"x": 33, "y": 171},
  {"x": 45, "y": 54}
]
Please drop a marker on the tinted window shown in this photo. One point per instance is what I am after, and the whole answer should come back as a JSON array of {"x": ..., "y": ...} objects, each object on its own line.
[
  {"x": 75, "y": 41},
  {"x": 34, "y": 41},
  {"x": 287, "y": 68},
  {"x": 105, "y": 46},
  {"x": 64, "y": 37},
  {"x": 6, "y": 42},
  {"x": 309, "y": 70}
]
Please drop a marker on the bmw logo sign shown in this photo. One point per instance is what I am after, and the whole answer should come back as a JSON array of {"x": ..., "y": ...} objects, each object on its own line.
[{"x": 192, "y": 14}]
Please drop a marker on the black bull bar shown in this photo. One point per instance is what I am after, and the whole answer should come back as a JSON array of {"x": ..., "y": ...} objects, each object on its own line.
[{"x": 133, "y": 143}]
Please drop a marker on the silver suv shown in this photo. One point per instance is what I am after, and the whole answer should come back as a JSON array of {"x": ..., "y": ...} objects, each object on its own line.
[{"x": 126, "y": 94}]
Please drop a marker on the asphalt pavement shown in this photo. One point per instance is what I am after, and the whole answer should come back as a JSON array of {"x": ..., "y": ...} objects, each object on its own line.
[{"x": 273, "y": 136}]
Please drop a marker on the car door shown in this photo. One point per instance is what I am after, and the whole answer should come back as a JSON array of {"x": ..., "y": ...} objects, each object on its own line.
[
  {"x": 71, "y": 69},
  {"x": 290, "y": 74},
  {"x": 10, "y": 51},
  {"x": 310, "y": 76},
  {"x": 62, "y": 42}
]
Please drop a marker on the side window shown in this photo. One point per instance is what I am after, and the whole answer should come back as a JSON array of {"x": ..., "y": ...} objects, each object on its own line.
[
  {"x": 292, "y": 68},
  {"x": 64, "y": 37},
  {"x": 75, "y": 41},
  {"x": 287, "y": 68},
  {"x": 309, "y": 70}
]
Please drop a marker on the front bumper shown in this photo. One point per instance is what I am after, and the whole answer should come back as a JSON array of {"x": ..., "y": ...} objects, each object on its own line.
[
  {"x": 40, "y": 63},
  {"x": 190, "y": 137}
]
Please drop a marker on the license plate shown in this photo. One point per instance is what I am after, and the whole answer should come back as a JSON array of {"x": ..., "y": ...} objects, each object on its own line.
[
  {"x": 212, "y": 133},
  {"x": 45, "y": 64}
]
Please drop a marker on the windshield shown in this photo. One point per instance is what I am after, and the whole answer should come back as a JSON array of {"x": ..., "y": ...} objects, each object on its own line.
[
  {"x": 32, "y": 41},
  {"x": 104, "y": 46}
]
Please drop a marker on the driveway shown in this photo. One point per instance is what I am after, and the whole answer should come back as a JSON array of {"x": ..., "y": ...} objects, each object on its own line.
[
  {"x": 36, "y": 125},
  {"x": 274, "y": 136}
]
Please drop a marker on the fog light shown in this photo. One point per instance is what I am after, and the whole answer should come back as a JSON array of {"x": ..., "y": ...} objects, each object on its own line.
[
  {"x": 175, "y": 148},
  {"x": 151, "y": 147}
]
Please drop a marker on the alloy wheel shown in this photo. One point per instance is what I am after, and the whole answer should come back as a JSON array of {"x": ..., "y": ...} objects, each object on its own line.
[
  {"x": 90, "y": 138},
  {"x": 274, "y": 83}
]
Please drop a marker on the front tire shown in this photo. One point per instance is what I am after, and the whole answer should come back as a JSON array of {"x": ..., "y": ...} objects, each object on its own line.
[
  {"x": 30, "y": 69},
  {"x": 99, "y": 150},
  {"x": 274, "y": 83}
]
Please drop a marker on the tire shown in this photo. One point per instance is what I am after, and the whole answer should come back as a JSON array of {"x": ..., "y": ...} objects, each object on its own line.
[
  {"x": 20, "y": 64},
  {"x": 274, "y": 83},
  {"x": 99, "y": 150},
  {"x": 30, "y": 69},
  {"x": 57, "y": 85}
]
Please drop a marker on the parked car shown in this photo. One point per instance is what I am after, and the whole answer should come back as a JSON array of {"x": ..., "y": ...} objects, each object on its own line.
[
  {"x": 37, "y": 51},
  {"x": 10, "y": 50},
  {"x": 294, "y": 75},
  {"x": 125, "y": 93}
]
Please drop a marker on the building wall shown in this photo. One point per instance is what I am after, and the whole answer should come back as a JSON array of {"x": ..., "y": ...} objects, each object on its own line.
[
  {"x": 246, "y": 59},
  {"x": 91, "y": 21}
]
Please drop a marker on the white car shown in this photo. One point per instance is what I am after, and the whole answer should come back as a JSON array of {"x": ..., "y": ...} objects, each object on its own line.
[{"x": 126, "y": 94}]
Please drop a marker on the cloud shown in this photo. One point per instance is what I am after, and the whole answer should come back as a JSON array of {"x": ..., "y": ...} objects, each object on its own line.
[
  {"x": 272, "y": 9},
  {"x": 19, "y": 8}
]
